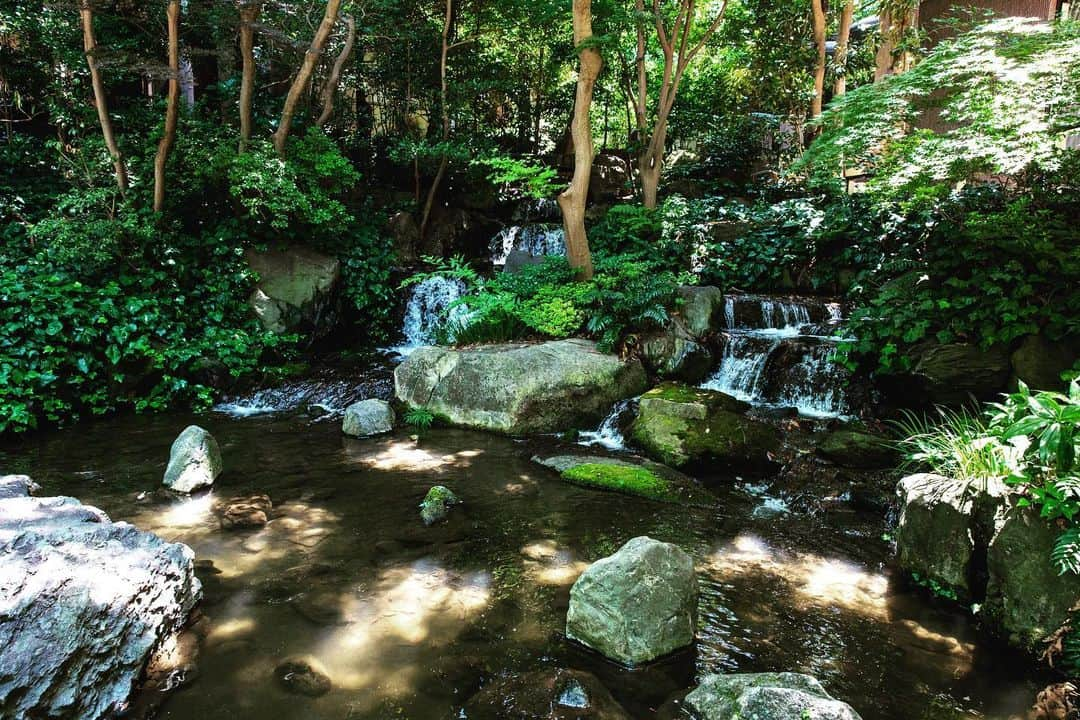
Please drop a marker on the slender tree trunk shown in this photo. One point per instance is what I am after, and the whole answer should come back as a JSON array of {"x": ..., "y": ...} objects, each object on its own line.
[
  {"x": 572, "y": 201},
  {"x": 171, "y": 107},
  {"x": 890, "y": 61},
  {"x": 86, "y": 15},
  {"x": 303, "y": 77},
  {"x": 331, "y": 86},
  {"x": 249, "y": 15},
  {"x": 444, "y": 161},
  {"x": 842, "y": 41},
  {"x": 819, "y": 67}
]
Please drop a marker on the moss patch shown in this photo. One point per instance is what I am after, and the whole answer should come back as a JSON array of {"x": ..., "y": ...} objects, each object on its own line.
[{"x": 623, "y": 479}]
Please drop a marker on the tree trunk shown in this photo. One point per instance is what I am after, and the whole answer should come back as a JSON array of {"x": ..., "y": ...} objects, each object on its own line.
[
  {"x": 444, "y": 161},
  {"x": 249, "y": 15},
  {"x": 819, "y": 67},
  {"x": 171, "y": 107},
  {"x": 893, "y": 29},
  {"x": 331, "y": 86},
  {"x": 572, "y": 201},
  {"x": 650, "y": 167},
  {"x": 300, "y": 82},
  {"x": 842, "y": 41},
  {"x": 86, "y": 15}
]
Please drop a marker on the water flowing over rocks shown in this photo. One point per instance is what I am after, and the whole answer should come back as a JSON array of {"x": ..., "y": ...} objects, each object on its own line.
[
  {"x": 84, "y": 602},
  {"x": 765, "y": 696},
  {"x": 518, "y": 388},
  {"x": 777, "y": 353},
  {"x": 636, "y": 605},
  {"x": 556, "y": 694},
  {"x": 297, "y": 290},
  {"x": 194, "y": 461},
  {"x": 429, "y": 304},
  {"x": 682, "y": 426},
  {"x": 367, "y": 418},
  {"x": 977, "y": 541},
  {"x": 520, "y": 245}
]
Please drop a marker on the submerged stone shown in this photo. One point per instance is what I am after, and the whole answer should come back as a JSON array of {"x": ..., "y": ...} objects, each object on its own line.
[
  {"x": 518, "y": 388},
  {"x": 248, "y": 512},
  {"x": 855, "y": 449},
  {"x": 436, "y": 504},
  {"x": 194, "y": 461},
  {"x": 303, "y": 675},
  {"x": 636, "y": 605},
  {"x": 367, "y": 418},
  {"x": 556, "y": 694},
  {"x": 765, "y": 696},
  {"x": 84, "y": 602}
]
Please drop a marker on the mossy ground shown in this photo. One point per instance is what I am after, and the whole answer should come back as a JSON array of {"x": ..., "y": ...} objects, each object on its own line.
[{"x": 622, "y": 478}]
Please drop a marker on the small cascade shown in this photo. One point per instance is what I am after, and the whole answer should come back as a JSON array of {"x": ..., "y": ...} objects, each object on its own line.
[
  {"x": 326, "y": 393},
  {"x": 529, "y": 240},
  {"x": 609, "y": 435},
  {"x": 429, "y": 304},
  {"x": 777, "y": 354}
]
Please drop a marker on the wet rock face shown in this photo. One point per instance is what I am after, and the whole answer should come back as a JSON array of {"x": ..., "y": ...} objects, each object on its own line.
[
  {"x": 674, "y": 353},
  {"x": 855, "y": 449},
  {"x": 518, "y": 389},
  {"x": 681, "y": 426},
  {"x": 84, "y": 602},
  {"x": 951, "y": 374},
  {"x": 194, "y": 461},
  {"x": 367, "y": 418},
  {"x": 636, "y": 605},
  {"x": 976, "y": 540},
  {"x": 545, "y": 695},
  {"x": 702, "y": 309},
  {"x": 296, "y": 290},
  {"x": 765, "y": 696}
]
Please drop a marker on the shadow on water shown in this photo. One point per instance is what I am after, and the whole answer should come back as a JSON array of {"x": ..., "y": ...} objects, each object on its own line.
[{"x": 409, "y": 621}]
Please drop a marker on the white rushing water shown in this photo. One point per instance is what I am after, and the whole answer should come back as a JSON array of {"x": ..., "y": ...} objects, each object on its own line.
[
  {"x": 429, "y": 304},
  {"x": 532, "y": 240},
  {"x": 773, "y": 356},
  {"x": 608, "y": 435}
]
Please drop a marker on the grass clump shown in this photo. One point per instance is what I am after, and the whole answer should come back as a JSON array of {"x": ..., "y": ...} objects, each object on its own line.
[{"x": 625, "y": 479}]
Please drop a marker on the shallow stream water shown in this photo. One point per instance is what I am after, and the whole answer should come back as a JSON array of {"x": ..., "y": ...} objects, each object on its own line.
[{"x": 409, "y": 621}]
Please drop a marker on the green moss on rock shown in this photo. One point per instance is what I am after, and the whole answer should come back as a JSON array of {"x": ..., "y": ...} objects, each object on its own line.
[
  {"x": 436, "y": 504},
  {"x": 626, "y": 479}
]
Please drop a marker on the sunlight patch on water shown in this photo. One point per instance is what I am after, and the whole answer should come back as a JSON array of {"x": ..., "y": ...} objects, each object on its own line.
[
  {"x": 406, "y": 455},
  {"x": 818, "y": 580},
  {"x": 549, "y": 564}
]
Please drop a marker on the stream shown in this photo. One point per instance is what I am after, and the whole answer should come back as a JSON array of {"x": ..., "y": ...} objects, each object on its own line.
[{"x": 409, "y": 621}]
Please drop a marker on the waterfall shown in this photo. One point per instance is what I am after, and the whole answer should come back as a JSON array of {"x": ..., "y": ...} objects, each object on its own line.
[
  {"x": 428, "y": 306},
  {"x": 531, "y": 240},
  {"x": 327, "y": 392},
  {"x": 775, "y": 355},
  {"x": 609, "y": 434}
]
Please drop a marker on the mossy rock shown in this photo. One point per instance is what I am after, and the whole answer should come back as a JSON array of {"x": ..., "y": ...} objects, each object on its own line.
[
  {"x": 681, "y": 426},
  {"x": 436, "y": 504},
  {"x": 640, "y": 479},
  {"x": 859, "y": 450}
]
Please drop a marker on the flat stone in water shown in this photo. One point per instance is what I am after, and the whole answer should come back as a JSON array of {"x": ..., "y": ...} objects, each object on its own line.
[{"x": 303, "y": 676}]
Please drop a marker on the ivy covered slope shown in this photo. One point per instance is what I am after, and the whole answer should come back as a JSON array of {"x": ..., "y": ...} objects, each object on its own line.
[{"x": 106, "y": 305}]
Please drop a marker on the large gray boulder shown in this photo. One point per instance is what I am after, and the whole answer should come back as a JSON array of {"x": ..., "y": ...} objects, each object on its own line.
[
  {"x": 636, "y": 605},
  {"x": 1026, "y": 598},
  {"x": 952, "y": 374},
  {"x": 1039, "y": 362},
  {"x": 518, "y": 388},
  {"x": 674, "y": 353},
  {"x": 702, "y": 309},
  {"x": 84, "y": 602},
  {"x": 16, "y": 486},
  {"x": 194, "y": 461},
  {"x": 683, "y": 426},
  {"x": 367, "y": 418},
  {"x": 296, "y": 291},
  {"x": 765, "y": 696},
  {"x": 941, "y": 520}
]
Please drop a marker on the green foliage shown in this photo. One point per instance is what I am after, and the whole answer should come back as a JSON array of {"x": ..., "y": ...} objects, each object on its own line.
[
  {"x": 535, "y": 181},
  {"x": 957, "y": 444},
  {"x": 628, "y": 296},
  {"x": 1005, "y": 94},
  {"x": 942, "y": 591},
  {"x": 420, "y": 418},
  {"x": 624, "y": 479}
]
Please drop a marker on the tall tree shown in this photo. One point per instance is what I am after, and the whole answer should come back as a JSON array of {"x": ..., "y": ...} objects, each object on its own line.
[
  {"x": 249, "y": 15},
  {"x": 572, "y": 200},
  {"x": 303, "y": 76},
  {"x": 331, "y": 86},
  {"x": 444, "y": 160},
  {"x": 819, "y": 21},
  {"x": 171, "y": 106},
  {"x": 843, "y": 41},
  {"x": 680, "y": 43},
  {"x": 90, "y": 46}
]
